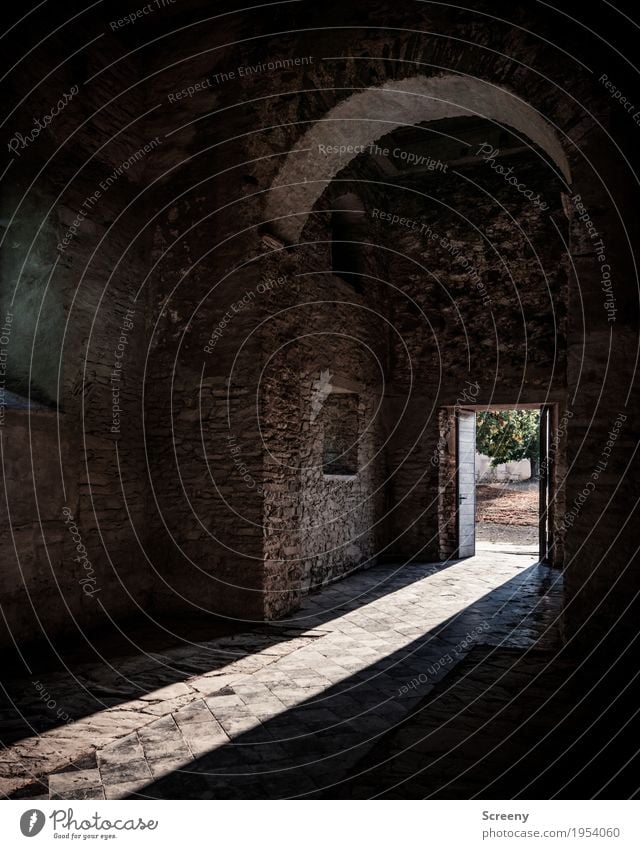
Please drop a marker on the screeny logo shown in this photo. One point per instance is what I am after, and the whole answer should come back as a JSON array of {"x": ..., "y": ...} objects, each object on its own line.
[{"x": 32, "y": 822}]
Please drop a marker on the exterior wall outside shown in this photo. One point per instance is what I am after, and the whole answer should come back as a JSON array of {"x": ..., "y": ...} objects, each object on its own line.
[{"x": 516, "y": 471}]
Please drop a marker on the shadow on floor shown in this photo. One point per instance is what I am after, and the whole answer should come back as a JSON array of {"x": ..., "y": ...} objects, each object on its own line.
[
  {"x": 506, "y": 724},
  {"x": 166, "y": 654},
  {"x": 309, "y": 749}
]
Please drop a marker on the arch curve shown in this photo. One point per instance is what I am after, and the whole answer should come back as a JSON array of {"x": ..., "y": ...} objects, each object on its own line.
[{"x": 363, "y": 118}]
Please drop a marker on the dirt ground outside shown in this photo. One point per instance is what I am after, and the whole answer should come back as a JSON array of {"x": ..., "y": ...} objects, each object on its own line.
[{"x": 507, "y": 512}]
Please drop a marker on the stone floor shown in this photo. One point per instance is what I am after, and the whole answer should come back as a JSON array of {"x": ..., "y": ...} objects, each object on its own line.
[
  {"x": 508, "y": 724},
  {"x": 284, "y": 711},
  {"x": 466, "y": 739}
]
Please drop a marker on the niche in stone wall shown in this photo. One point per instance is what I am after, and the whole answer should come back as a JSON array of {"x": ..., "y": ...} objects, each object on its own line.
[
  {"x": 340, "y": 442},
  {"x": 347, "y": 221}
]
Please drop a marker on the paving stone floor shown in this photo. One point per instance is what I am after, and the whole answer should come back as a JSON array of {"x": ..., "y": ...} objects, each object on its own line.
[
  {"x": 284, "y": 711},
  {"x": 467, "y": 738},
  {"x": 513, "y": 724}
]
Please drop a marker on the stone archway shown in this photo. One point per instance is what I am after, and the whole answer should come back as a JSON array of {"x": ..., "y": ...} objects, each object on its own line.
[{"x": 357, "y": 122}]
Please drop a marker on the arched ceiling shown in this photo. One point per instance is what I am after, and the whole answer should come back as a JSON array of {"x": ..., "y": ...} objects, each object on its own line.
[{"x": 367, "y": 116}]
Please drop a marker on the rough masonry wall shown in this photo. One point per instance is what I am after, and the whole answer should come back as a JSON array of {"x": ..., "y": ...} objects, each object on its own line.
[
  {"x": 228, "y": 532},
  {"x": 481, "y": 315},
  {"x": 75, "y": 489},
  {"x": 205, "y": 303},
  {"x": 306, "y": 93},
  {"x": 602, "y": 433},
  {"x": 323, "y": 336},
  {"x": 171, "y": 517}
]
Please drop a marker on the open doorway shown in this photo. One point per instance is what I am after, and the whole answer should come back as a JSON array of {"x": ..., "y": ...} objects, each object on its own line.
[
  {"x": 504, "y": 474},
  {"x": 507, "y": 480}
]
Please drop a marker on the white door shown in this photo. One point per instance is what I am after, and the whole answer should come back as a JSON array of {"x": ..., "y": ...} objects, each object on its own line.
[
  {"x": 547, "y": 501},
  {"x": 466, "y": 474}
]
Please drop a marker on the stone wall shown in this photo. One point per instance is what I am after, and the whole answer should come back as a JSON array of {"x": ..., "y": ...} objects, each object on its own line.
[
  {"x": 73, "y": 265},
  {"x": 482, "y": 314},
  {"x": 208, "y": 495},
  {"x": 326, "y": 339}
]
